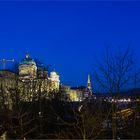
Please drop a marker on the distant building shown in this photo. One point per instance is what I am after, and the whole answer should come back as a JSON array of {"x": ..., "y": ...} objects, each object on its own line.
[{"x": 76, "y": 94}]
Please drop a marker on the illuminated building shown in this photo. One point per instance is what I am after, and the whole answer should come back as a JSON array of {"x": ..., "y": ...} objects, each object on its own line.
[
  {"x": 7, "y": 82},
  {"x": 76, "y": 94},
  {"x": 27, "y": 69},
  {"x": 30, "y": 72},
  {"x": 32, "y": 81},
  {"x": 71, "y": 94}
]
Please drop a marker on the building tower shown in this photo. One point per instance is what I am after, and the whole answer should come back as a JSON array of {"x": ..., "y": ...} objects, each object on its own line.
[
  {"x": 27, "y": 68},
  {"x": 89, "y": 87}
]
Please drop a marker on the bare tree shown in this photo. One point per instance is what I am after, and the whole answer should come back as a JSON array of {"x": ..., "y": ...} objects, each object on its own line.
[
  {"x": 115, "y": 73},
  {"x": 84, "y": 122}
]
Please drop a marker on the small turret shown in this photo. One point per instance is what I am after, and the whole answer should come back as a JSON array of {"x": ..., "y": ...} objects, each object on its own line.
[{"x": 55, "y": 81}]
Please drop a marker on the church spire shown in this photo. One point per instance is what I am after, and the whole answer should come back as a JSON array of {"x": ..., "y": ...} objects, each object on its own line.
[{"x": 89, "y": 84}]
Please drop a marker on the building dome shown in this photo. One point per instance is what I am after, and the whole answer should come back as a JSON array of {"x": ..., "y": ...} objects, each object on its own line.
[
  {"x": 53, "y": 74},
  {"x": 27, "y": 68},
  {"x": 55, "y": 81},
  {"x": 27, "y": 61}
]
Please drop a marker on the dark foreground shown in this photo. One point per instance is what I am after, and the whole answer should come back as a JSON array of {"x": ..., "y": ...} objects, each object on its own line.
[{"x": 55, "y": 119}]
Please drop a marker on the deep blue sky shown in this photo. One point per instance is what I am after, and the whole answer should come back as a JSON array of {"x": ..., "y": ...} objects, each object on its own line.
[{"x": 68, "y": 35}]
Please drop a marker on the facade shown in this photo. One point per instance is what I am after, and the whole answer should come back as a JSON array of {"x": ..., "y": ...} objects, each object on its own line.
[{"x": 7, "y": 83}]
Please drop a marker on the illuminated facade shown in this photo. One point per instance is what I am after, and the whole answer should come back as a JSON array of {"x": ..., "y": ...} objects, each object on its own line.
[
  {"x": 27, "y": 69},
  {"x": 30, "y": 72},
  {"x": 31, "y": 82},
  {"x": 75, "y": 94},
  {"x": 7, "y": 83},
  {"x": 54, "y": 81}
]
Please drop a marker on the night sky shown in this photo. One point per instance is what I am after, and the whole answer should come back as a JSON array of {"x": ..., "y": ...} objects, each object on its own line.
[{"x": 68, "y": 35}]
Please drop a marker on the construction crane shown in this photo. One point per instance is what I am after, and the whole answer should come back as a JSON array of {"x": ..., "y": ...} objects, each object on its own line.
[{"x": 4, "y": 61}]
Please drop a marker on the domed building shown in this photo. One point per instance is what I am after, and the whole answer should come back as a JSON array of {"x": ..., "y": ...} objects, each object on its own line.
[
  {"x": 27, "y": 68},
  {"x": 33, "y": 70}
]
